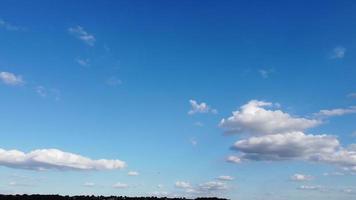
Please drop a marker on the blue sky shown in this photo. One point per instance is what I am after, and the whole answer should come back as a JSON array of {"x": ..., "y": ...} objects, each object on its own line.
[{"x": 238, "y": 99}]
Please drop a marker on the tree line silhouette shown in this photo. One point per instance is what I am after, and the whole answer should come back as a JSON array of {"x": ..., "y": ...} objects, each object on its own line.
[{"x": 59, "y": 197}]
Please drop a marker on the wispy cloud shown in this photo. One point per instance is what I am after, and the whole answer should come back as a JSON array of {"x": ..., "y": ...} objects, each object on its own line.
[
  {"x": 225, "y": 178},
  {"x": 11, "y": 79},
  {"x": 10, "y": 27},
  {"x": 336, "y": 112},
  {"x": 45, "y": 92},
  {"x": 83, "y": 62},
  {"x": 89, "y": 184},
  {"x": 352, "y": 95},
  {"x": 113, "y": 81},
  {"x": 338, "y": 52},
  {"x": 82, "y": 35},
  {"x": 133, "y": 173},
  {"x": 200, "y": 108},
  {"x": 120, "y": 185},
  {"x": 46, "y": 159},
  {"x": 265, "y": 73}
]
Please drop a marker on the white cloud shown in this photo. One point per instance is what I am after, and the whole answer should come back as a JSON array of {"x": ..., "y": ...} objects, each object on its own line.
[
  {"x": 9, "y": 27},
  {"x": 14, "y": 183},
  {"x": 133, "y": 173},
  {"x": 82, "y": 35},
  {"x": 336, "y": 112},
  {"x": 40, "y": 90},
  {"x": 119, "y": 185},
  {"x": 113, "y": 81},
  {"x": 265, "y": 73},
  {"x": 200, "y": 108},
  {"x": 293, "y": 145},
  {"x": 182, "y": 184},
  {"x": 89, "y": 184},
  {"x": 160, "y": 186},
  {"x": 253, "y": 118},
  {"x": 212, "y": 186},
  {"x": 46, "y": 159},
  {"x": 83, "y": 62},
  {"x": 225, "y": 178},
  {"x": 193, "y": 141},
  {"x": 310, "y": 187},
  {"x": 233, "y": 159},
  {"x": 338, "y": 52},
  {"x": 301, "y": 177},
  {"x": 9, "y": 78}
]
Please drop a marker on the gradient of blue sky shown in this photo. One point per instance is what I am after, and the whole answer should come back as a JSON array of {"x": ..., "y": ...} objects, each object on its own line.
[{"x": 125, "y": 95}]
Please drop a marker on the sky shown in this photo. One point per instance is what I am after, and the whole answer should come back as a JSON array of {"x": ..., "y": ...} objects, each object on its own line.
[{"x": 236, "y": 99}]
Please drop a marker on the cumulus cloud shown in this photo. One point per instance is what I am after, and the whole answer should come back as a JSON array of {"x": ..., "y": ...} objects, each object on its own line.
[
  {"x": 82, "y": 35},
  {"x": 301, "y": 177},
  {"x": 338, "y": 52},
  {"x": 200, "y": 108},
  {"x": 225, "y": 178},
  {"x": 336, "y": 112},
  {"x": 281, "y": 137},
  {"x": 47, "y": 159},
  {"x": 9, "y": 78},
  {"x": 133, "y": 173},
  {"x": 293, "y": 145},
  {"x": 253, "y": 118},
  {"x": 119, "y": 185},
  {"x": 233, "y": 159},
  {"x": 182, "y": 184}
]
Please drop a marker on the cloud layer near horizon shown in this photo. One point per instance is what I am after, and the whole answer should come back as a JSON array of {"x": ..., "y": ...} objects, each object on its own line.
[{"x": 47, "y": 159}]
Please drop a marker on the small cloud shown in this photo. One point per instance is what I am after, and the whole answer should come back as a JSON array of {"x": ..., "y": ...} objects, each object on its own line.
[
  {"x": 353, "y": 134},
  {"x": 352, "y": 95},
  {"x": 44, "y": 92},
  {"x": 16, "y": 184},
  {"x": 83, "y": 62},
  {"x": 200, "y": 124},
  {"x": 113, "y": 81},
  {"x": 338, "y": 52},
  {"x": 11, "y": 79},
  {"x": 333, "y": 174},
  {"x": 9, "y": 27},
  {"x": 200, "y": 108},
  {"x": 133, "y": 173},
  {"x": 301, "y": 177},
  {"x": 89, "y": 184},
  {"x": 40, "y": 90},
  {"x": 82, "y": 35},
  {"x": 233, "y": 159},
  {"x": 193, "y": 141},
  {"x": 182, "y": 184},
  {"x": 310, "y": 187},
  {"x": 119, "y": 185},
  {"x": 225, "y": 178},
  {"x": 160, "y": 186},
  {"x": 265, "y": 73},
  {"x": 336, "y": 112}
]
